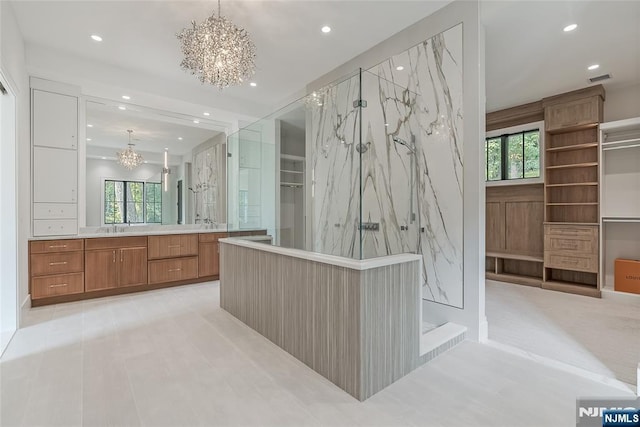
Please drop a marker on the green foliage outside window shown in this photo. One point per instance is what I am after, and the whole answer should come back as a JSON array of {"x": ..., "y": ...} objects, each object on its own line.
[
  {"x": 513, "y": 156},
  {"x": 132, "y": 202}
]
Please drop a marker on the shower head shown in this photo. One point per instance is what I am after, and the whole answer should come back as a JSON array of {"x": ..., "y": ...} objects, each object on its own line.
[{"x": 411, "y": 147}]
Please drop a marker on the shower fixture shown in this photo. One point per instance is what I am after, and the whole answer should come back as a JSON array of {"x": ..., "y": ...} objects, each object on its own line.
[
  {"x": 412, "y": 181},
  {"x": 411, "y": 148}
]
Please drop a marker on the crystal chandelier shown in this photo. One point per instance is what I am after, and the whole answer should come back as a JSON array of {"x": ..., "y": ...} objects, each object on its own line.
[
  {"x": 217, "y": 52},
  {"x": 128, "y": 157}
]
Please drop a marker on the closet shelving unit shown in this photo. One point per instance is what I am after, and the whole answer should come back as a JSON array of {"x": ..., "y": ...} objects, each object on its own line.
[
  {"x": 571, "y": 193},
  {"x": 620, "y": 195}
]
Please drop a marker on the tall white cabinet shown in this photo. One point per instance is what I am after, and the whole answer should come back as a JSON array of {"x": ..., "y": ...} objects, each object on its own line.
[
  {"x": 620, "y": 196},
  {"x": 54, "y": 137}
]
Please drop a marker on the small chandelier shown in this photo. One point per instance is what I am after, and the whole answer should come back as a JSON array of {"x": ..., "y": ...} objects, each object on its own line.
[
  {"x": 217, "y": 52},
  {"x": 128, "y": 157}
]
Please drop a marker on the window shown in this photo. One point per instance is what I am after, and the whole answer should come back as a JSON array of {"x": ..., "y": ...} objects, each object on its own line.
[
  {"x": 133, "y": 202},
  {"x": 513, "y": 156}
]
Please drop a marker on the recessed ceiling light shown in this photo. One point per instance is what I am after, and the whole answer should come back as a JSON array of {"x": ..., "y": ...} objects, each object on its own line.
[
  {"x": 166, "y": 149},
  {"x": 103, "y": 158},
  {"x": 570, "y": 27},
  {"x": 206, "y": 114},
  {"x": 89, "y": 126},
  {"x": 593, "y": 67},
  {"x": 180, "y": 138},
  {"x": 146, "y": 161},
  {"x": 196, "y": 121},
  {"x": 386, "y": 124},
  {"x": 126, "y": 97},
  {"x": 88, "y": 139},
  {"x": 96, "y": 37},
  {"x": 326, "y": 29},
  {"x": 399, "y": 68},
  {"x": 122, "y": 107},
  {"x": 253, "y": 84}
]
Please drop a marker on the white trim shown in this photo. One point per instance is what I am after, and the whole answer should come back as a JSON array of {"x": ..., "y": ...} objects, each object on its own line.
[
  {"x": 354, "y": 264},
  {"x": 515, "y": 129}
]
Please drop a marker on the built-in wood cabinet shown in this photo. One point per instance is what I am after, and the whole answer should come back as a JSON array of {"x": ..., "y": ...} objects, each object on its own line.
[
  {"x": 72, "y": 269},
  {"x": 575, "y": 113},
  {"x": 209, "y": 255},
  {"x": 115, "y": 262},
  {"x": 56, "y": 267},
  {"x": 54, "y": 136}
]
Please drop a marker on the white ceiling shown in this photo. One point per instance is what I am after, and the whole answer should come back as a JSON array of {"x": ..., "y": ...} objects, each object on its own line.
[
  {"x": 527, "y": 54},
  {"x": 151, "y": 133}
]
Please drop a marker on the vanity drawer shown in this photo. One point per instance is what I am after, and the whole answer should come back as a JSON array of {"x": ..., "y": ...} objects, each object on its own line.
[
  {"x": 55, "y": 211},
  {"x": 211, "y": 237},
  {"x": 173, "y": 245},
  {"x": 55, "y": 227},
  {"x": 173, "y": 270},
  {"x": 577, "y": 262},
  {"x": 64, "y": 262},
  {"x": 574, "y": 244},
  {"x": 61, "y": 284},
  {"x": 45, "y": 246}
]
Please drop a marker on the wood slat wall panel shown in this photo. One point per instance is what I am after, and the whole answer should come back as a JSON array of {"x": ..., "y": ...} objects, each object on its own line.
[{"x": 359, "y": 329}]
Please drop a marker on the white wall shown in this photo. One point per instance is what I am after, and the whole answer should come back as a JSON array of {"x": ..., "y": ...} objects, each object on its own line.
[
  {"x": 622, "y": 103},
  {"x": 12, "y": 64},
  {"x": 99, "y": 170},
  {"x": 472, "y": 314}
]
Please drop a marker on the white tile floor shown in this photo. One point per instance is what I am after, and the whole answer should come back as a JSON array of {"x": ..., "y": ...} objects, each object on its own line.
[
  {"x": 597, "y": 335},
  {"x": 173, "y": 357}
]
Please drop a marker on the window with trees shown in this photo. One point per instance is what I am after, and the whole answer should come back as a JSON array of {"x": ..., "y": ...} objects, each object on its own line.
[
  {"x": 513, "y": 156},
  {"x": 132, "y": 202}
]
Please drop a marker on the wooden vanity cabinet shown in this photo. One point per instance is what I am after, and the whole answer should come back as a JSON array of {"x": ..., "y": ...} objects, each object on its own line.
[
  {"x": 173, "y": 258},
  {"x": 56, "y": 267},
  {"x": 209, "y": 254},
  {"x": 114, "y": 262}
]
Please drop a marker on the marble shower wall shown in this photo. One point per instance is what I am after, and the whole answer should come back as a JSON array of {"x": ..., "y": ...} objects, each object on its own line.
[
  {"x": 208, "y": 183},
  {"x": 413, "y": 191}
]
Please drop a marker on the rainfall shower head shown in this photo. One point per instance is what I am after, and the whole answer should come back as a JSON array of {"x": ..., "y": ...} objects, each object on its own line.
[{"x": 411, "y": 147}]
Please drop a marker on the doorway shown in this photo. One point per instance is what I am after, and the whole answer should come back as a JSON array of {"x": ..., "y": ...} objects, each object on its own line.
[{"x": 8, "y": 216}]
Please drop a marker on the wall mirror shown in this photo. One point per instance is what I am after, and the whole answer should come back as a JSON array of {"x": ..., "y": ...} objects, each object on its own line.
[{"x": 192, "y": 192}]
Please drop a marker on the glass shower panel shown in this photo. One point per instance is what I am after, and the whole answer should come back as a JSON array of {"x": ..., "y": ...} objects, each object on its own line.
[{"x": 391, "y": 168}]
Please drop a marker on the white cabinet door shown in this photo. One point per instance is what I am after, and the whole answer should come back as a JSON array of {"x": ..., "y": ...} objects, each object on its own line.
[
  {"x": 55, "y": 120},
  {"x": 55, "y": 175}
]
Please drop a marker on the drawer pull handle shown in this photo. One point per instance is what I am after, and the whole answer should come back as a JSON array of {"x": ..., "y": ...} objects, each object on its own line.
[
  {"x": 174, "y": 246},
  {"x": 57, "y": 246},
  {"x": 174, "y": 269},
  {"x": 58, "y": 263},
  {"x": 568, "y": 245},
  {"x": 58, "y": 285}
]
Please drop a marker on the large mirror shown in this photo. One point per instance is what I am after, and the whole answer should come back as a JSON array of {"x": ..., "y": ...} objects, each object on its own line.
[{"x": 191, "y": 189}]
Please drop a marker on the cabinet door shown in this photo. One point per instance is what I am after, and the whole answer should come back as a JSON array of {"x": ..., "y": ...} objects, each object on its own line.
[
  {"x": 100, "y": 269},
  {"x": 55, "y": 120},
  {"x": 573, "y": 113},
  {"x": 55, "y": 175},
  {"x": 208, "y": 259},
  {"x": 132, "y": 266}
]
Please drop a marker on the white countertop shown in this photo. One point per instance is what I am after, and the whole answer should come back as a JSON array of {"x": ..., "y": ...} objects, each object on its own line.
[
  {"x": 354, "y": 264},
  {"x": 143, "y": 232}
]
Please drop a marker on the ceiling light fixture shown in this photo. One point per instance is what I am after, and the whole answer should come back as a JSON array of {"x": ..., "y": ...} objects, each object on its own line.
[
  {"x": 122, "y": 107},
  {"x": 103, "y": 158},
  {"x": 89, "y": 126},
  {"x": 126, "y": 97},
  {"x": 128, "y": 157},
  {"x": 88, "y": 139},
  {"x": 253, "y": 84},
  {"x": 217, "y": 51},
  {"x": 399, "y": 68},
  {"x": 593, "y": 67},
  {"x": 180, "y": 138},
  {"x": 206, "y": 114},
  {"x": 570, "y": 27},
  {"x": 165, "y": 170},
  {"x": 96, "y": 37},
  {"x": 326, "y": 29},
  {"x": 196, "y": 121}
]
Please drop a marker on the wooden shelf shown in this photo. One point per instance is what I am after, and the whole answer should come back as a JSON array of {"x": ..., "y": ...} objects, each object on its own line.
[
  {"x": 574, "y": 147},
  {"x": 574, "y": 184},
  {"x": 514, "y": 278},
  {"x": 574, "y": 165},
  {"x": 570, "y": 223},
  {"x": 573, "y": 204},
  {"x": 572, "y": 288},
  {"x": 519, "y": 257}
]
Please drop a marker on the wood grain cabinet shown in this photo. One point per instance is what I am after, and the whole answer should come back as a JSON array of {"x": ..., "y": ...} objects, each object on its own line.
[
  {"x": 173, "y": 270},
  {"x": 115, "y": 262},
  {"x": 209, "y": 254},
  {"x": 174, "y": 245},
  {"x": 56, "y": 267},
  {"x": 574, "y": 113}
]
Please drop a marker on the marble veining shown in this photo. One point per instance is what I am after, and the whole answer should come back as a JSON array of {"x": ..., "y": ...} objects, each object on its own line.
[
  {"x": 407, "y": 175},
  {"x": 207, "y": 179}
]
